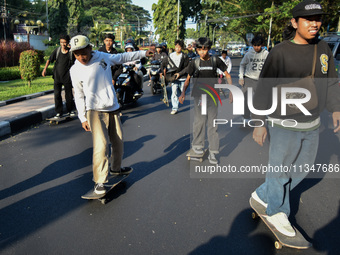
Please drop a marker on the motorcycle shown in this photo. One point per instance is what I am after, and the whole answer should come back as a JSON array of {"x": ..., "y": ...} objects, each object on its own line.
[
  {"x": 125, "y": 85},
  {"x": 155, "y": 83}
]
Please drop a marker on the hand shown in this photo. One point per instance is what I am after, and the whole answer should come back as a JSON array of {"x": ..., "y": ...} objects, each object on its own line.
[
  {"x": 176, "y": 76},
  {"x": 149, "y": 53},
  {"x": 259, "y": 135},
  {"x": 181, "y": 98},
  {"x": 241, "y": 82},
  {"x": 43, "y": 73},
  {"x": 86, "y": 126},
  {"x": 336, "y": 121}
]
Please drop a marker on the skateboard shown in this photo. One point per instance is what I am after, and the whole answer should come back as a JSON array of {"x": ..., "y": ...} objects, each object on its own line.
[
  {"x": 297, "y": 242},
  {"x": 60, "y": 120},
  {"x": 165, "y": 98},
  {"x": 193, "y": 156},
  {"x": 113, "y": 182}
]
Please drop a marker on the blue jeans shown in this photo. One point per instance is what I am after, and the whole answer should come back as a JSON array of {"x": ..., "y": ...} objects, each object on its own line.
[
  {"x": 287, "y": 148},
  {"x": 175, "y": 86}
]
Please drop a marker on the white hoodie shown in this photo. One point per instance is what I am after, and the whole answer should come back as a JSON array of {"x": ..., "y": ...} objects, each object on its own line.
[
  {"x": 252, "y": 63},
  {"x": 93, "y": 82}
]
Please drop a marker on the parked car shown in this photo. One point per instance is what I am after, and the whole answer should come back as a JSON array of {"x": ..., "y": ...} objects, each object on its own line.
[
  {"x": 244, "y": 50},
  {"x": 333, "y": 41},
  {"x": 214, "y": 52}
]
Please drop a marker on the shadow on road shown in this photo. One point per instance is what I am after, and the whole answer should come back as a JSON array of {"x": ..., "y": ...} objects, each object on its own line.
[{"x": 240, "y": 239}]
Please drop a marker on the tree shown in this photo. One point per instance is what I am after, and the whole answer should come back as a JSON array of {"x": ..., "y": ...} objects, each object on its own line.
[
  {"x": 97, "y": 30},
  {"x": 29, "y": 65}
]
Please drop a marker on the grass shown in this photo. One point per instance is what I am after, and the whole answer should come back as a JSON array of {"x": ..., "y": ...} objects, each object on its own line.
[{"x": 16, "y": 88}]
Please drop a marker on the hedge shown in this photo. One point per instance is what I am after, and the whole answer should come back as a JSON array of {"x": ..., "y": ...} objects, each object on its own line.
[{"x": 13, "y": 73}]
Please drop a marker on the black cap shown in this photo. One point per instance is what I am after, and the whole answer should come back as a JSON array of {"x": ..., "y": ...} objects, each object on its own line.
[{"x": 307, "y": 8}]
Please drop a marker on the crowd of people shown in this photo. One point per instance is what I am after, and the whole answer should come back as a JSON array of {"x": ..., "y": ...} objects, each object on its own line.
[{"x": 302, "y": 55}]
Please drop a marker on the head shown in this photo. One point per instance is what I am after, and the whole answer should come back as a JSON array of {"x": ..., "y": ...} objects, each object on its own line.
[
  {"x": 306, "y": 22},
  {"x": 203, "y": 45},
  {"x": 129, "y": 47},
  {"x": 224, "y": 53},
  {"x": 179, "y": 44},
  {"x": 158, "y": 48},
  {"x": 109, "y": 40},
  {"x": 64, "y": 41},
  {"x": 81, "y": 48},
  {"x": 257, "y": 43},
  {"x": 164, "y": 47}
]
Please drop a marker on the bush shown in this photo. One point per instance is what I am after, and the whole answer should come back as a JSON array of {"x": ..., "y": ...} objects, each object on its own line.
[
  {"x": 10, "y": 52},
  {"x": 29, "y": 65},
  {"x": 10, "y": 73}
]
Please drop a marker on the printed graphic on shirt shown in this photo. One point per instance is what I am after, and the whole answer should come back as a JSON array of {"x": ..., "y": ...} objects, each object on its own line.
[
  {"x": 324, "y": 63},
  {"x": 256, "y": 64},
  {"x": 205, "y": 68},
  {"x": 103, "y": 64}
]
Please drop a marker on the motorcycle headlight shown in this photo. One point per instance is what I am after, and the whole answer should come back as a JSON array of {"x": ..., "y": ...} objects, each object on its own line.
[
  {"x": 126, "y": 82},
  {"x": 154, "y": 72}
]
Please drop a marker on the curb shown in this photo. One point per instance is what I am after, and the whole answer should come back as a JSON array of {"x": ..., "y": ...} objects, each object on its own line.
[
  {"x": 19, "y": 122},
  {"x": 23, "y": 98}
]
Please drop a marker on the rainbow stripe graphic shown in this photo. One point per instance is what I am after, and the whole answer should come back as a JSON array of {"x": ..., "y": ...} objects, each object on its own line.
[{"x": 209, "y": 93}]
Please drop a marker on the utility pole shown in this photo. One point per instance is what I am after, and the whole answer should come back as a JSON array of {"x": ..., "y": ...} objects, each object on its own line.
[
  {"x": 47, "y": 15},
  {"x": 270, "y": 27},
  {"x": 178, "y": 20},
  {"x": 4, "y": 17}
]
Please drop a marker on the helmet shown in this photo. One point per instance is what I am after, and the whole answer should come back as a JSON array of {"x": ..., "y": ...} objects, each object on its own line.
[
  {"x": 129, "y": 45},
  {"x": 163, "y": 44},
  {"x": 158, "y": 45}
]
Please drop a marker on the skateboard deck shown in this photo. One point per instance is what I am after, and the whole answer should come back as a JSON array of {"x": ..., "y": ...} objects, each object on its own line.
[
  {"x": 165, "y": 94},
  {"x": 112, "y": 182},
  {"x": 59, "y": 120},
  {"x": 193, "y": 156},
  {"x": 297, "y": 242}
]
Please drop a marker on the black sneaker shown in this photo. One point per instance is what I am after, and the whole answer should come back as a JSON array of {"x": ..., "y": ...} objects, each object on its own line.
[
  {"x": 99, "y": 188},
  {"x": 123, "y": 171}
]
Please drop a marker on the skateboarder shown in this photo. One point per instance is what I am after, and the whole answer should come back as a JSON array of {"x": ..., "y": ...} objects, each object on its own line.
[
  {"x": 295, "y": 146},
  {"x": 177, "y": 60},
  {"x": 61, "y": 74},
  {"x": 204, "y": 68},
  {"x": 97, "y": 105},
  {"x": 250, "y": 68}
]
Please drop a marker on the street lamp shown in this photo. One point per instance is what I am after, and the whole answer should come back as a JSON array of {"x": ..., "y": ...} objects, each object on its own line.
[
  {"x": 16, "y": 23},
  {"x": 39, "y": 24}
]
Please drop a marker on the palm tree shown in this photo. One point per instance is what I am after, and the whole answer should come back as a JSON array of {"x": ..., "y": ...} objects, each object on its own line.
[{"x": 97, "y": 30}]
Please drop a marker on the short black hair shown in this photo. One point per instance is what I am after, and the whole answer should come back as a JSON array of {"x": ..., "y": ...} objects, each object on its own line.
[
  {"x": 65, "y": 37},
  {"x": 110, "y": 36},
  {"x": 257, "y": 41},
  {"x": 224, "y": 52},
  {"x": 180, "y": 43},
  {"x": 203, "y": 42}
]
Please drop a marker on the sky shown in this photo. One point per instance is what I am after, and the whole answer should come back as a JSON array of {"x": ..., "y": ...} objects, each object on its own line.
[{"x": 147, "y": 5}]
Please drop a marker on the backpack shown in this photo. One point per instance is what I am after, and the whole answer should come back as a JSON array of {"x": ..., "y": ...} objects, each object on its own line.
[
  {"x": 197, "y": 65},
  {"x": 69, "y": 53}
]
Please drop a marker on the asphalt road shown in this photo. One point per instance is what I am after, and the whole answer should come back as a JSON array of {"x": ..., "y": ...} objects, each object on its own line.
[{"x": 164, "y": 207}]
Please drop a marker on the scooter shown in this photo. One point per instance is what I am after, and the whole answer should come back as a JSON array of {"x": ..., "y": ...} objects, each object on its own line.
[
  {"x": 125, "y": 85},
  {"x": 155, "y": 83}
]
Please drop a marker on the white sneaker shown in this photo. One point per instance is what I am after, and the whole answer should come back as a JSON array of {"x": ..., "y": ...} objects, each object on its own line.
[
  {"x": 212, "y": 158},
  {"x": 281, "y": 223},
  {"x": 173, "y": 112},
  {"x": 257, "y": 199}
]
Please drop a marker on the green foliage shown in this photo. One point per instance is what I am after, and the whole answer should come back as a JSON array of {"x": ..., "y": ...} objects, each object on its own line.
[
  {"x": 18, "y": 87},
  {"x": 29, "y": 65},
  {"x": 10, "y": 52}
]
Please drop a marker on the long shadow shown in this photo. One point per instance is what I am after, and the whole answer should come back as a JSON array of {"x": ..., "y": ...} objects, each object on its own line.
[
  {"x": 240, "y": 239},
  {"x": 326, "y": 238},
  {"x": 328, "y": 146},
  {"x": 55, "y": 170},
  {"x": 32, "y": 213},
  {"x": 131, "y": 147},
  {"x": 173, "y": 151}
]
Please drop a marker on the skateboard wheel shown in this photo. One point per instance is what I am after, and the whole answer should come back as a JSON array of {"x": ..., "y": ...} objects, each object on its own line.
[
  {"x": 103, "y": 201},
  {"x": 189, "y": 158},
  {"x": 254, "y": 215},
  {"x": 278, "y": 245},
  {"x": 201, "y": 160}
]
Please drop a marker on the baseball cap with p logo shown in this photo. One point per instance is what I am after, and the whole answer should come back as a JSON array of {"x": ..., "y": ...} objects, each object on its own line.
[{"x": 79, "y": 42}]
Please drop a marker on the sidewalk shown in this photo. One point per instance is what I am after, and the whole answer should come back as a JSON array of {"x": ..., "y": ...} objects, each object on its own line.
[{"x": 23, "y": 114}]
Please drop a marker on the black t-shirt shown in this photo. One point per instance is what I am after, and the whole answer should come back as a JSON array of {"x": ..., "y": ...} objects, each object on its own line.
[
  {"x": 61, "y": 70},
  {"x": 206, "y": 75}
]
